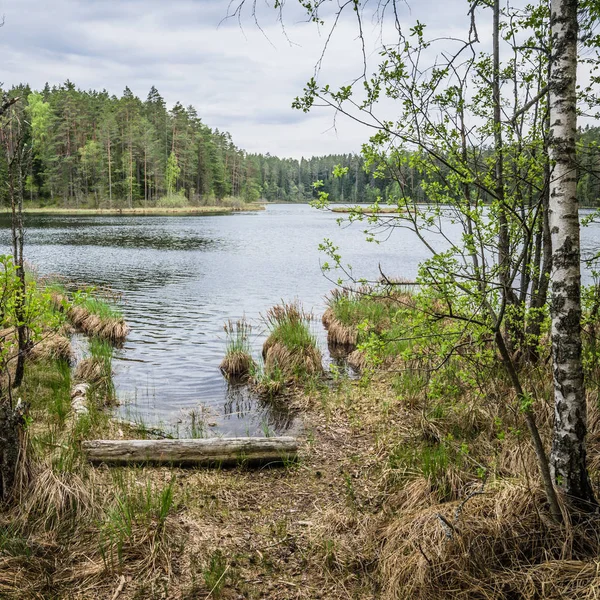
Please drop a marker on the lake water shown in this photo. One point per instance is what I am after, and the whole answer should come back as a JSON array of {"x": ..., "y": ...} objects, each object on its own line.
[{"x": 181, "y": 278}]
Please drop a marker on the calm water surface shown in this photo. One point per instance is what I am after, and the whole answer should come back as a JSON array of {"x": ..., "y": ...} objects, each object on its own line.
[{"x": 182, "y": 277}]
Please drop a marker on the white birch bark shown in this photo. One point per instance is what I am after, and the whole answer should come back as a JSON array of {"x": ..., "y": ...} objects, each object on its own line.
[{"x": 568, "y": 455}]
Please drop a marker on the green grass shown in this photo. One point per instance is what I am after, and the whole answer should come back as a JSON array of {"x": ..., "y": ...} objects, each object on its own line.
[
  {"x": 136, "y": 516},
  {"x": 238, "y": 336},
  {"x": 197, "y": 428},
  {"x": 353, "y": 308},
  {"x": 99, "y": 307},
  {"x": 47, "y": 389},
  {"x": 269, "y": 382},
  {"x": 432, "y": 461},
  {"x": 88, "y": 299},
  {"x": 289, "y": 326},
  {"x": 215, "y": 574},
  {"x": 381, "y": 319},
  {"x": 291, "y": 347},
  {"x": 101, "y": 351}
]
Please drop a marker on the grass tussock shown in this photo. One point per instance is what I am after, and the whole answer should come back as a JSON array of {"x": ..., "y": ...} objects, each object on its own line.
[
  {"x": 96, "y": 370},
  {"x": 74, "y": 530},
  {"x": 238, "y": 362},
  {"x": 338, "y": 334},
  {"x": 90, "y": 313},
  {"x": 95, "y": 318},
  {"x": 358, "y": 360},
  {"x": 237, "y": 365},
  {"x": 98, "y": 531},
  {"x": 90, "y": 370},
  {"x": 495, "y": 543},
  {"x": 291, "y": 349},
  {"x": 53, "y": 345},
  {"x": 366, "y": 316}
]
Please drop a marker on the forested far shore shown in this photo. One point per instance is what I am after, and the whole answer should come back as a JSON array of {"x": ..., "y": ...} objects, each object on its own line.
[{"x": 90, "y": 149}]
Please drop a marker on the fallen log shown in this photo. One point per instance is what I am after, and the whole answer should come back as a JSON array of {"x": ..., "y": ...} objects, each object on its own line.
[{"x": 204, "y": 452}]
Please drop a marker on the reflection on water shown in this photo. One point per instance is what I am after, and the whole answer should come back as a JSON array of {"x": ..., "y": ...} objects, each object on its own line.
[{"x": 182, "y": 277}]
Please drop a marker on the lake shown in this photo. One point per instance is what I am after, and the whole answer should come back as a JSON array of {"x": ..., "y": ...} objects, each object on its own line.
[{"x": 182, "y": 277}]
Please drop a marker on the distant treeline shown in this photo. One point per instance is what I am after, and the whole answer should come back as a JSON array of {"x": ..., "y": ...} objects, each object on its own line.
[{"x": 89, "y": 148}]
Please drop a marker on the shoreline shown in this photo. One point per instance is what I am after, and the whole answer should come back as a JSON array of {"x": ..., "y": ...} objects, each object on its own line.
[
  {"x": 368, "y": 210},
  {"x": 153, "y": 211}
]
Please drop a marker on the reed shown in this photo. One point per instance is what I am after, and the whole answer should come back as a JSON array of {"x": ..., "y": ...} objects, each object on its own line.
[
  {"x": 96, "y": 370},
  {"x": 238, "y": 361}
]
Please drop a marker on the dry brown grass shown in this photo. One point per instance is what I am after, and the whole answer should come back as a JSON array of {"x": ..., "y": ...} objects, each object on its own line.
[
  {"x": 387, "y": 502},
  {"x": 496, "y": 544},
  {"x": 327, "y": 317},
  {"x": 52, "y": 346},
  {"x": 73, "y": 538},
  {"x": 357, "y": 360},
  {"x": 59, "y": 301},
  {"x": 113, "y": 329},
  {"x": 341, "y": 335},
  {"x": 293, "y": 362},
  {"x": 90, "y": 370},
  {"x": 237, "y": 365}
]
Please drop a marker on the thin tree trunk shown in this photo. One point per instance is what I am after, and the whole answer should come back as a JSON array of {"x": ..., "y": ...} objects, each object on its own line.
[
  {"x": 109, "y": 172},
  {"x": 130, "y": 174},
  {"x": 145, "y": 177},
  {"x": 568, "y": 455},
  {"x": 538, "y": 445},
  {"x": 15, "y": 191},
  {"x": 11, "y": 419},
  {"x": 503, "y": 234},
  {"x": 540, "y": 293},
  {"x": 11, "y": 442}
]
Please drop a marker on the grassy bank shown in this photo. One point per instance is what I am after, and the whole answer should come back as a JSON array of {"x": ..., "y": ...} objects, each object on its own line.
[
  {"x": 416, "y": 480},
  {"x": 367, "y": 210},
  {"x": 158, "y": 211}
]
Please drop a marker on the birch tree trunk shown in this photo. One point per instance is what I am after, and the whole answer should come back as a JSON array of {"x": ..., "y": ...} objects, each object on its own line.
[{"x": 568, "y": 455}]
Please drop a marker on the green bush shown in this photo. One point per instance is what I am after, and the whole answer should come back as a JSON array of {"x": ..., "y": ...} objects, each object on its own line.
[{"x": 177, "y": 200}]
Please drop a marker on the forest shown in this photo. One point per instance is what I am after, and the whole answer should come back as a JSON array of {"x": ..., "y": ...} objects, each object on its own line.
[{"x": 90, "y": 149}]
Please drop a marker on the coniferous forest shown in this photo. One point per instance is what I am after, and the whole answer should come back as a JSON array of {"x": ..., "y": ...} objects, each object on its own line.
[{"x": 92, "y": 149}]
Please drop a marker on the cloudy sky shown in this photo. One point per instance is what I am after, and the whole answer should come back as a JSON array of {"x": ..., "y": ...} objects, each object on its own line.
[{"x": 241, "y": 80}]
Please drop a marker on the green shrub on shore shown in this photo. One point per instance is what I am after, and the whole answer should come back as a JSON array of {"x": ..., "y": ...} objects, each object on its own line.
[{"x": 176, "y": 200}]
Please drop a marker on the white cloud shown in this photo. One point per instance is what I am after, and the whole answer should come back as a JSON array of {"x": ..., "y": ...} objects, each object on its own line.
[{"x": 242, "y": 81}]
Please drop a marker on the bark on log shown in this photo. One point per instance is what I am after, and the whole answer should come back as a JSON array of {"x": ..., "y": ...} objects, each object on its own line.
[{"x": 206, "y": 452}]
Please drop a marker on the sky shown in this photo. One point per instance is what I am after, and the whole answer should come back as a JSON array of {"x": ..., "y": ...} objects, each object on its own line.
[{"x": 240, "y": 78}]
